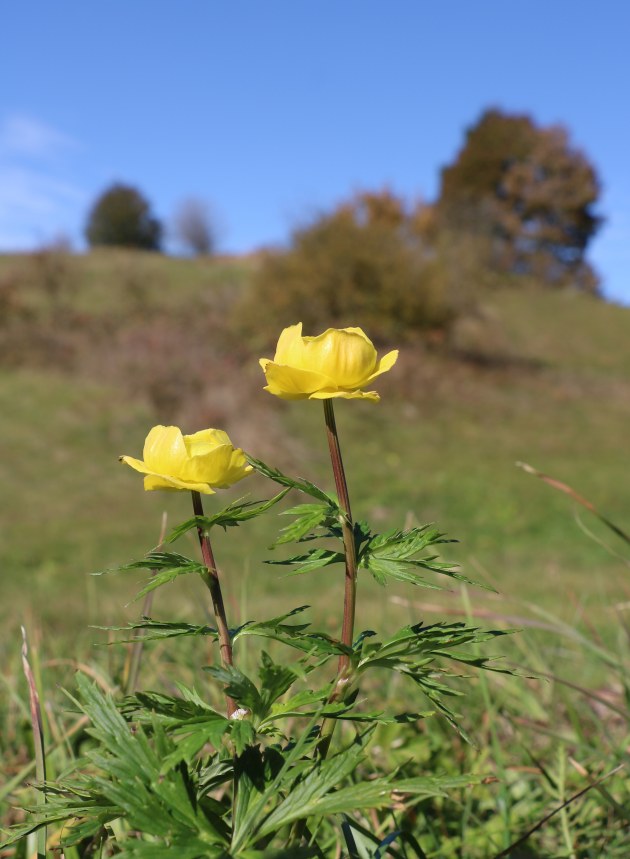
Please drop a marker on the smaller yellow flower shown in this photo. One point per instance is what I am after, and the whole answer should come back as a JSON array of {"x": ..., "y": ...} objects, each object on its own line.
[
  {"x": 338, "y": 363},
  {"x": 202, "y": 462}
]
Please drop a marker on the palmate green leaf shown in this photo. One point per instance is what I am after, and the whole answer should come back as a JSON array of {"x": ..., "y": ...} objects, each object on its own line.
[
  {"x": 293, "y": 635},
  {"x": 230, "y": 517},
  {"x": 238, "y": 686},
  {"x": 417, "y": 642},
  {"x": 295, "y": 763},
  {"x": 309, "y": 561},
  {"x": 173, "y": 711},
  {"x": 315, "y": 797},
  {"x": 308, "y": 518},
  {"x": 125, "y": 781},
  {"x": 165, "y": 567},
  {"x": 305, "y": 797},
  {"x": 274, "y": 624},
  {"x": 293, "y": 483},
  {"x": 417, "y": 652},
  {"x": 392, "y": 556},
  {"x": 275, "y": 680},
  {"x": 243, "y": 734}
]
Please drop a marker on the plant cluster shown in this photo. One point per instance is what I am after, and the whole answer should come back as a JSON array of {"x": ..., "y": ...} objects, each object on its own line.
[
  {"x": 284, "y": 770},
  {"x": 367, "y": 261}
]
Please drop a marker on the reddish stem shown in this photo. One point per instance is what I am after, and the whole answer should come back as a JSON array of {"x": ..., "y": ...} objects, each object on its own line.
[
  {"x": 350, "y": 586},
  {"x": 211, "y": 580}
]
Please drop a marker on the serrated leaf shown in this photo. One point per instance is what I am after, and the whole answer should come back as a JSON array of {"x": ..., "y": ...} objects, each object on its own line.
[
  {"x": 275, "y": 680},
  {"x": 165, "y": 567},
  {"x": 293, "y": 483},
  {"x": 391, "y": 556},
  {"x": 243, "y": 734},
  {"x": 230, "y": 517},
  {"x": 293, "y": 635},
  {"x": 156, "y": 629},
  {"x": 304, "y": 799},
  {"x": 311, "y": 560},
  {"x": 238, "y": 686},
  {"x": 309, "y": 517}
]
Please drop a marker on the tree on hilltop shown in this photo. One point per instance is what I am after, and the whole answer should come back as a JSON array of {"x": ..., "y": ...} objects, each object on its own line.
[
  {"x": 194, "y": 227},
  {"x": 121, "y": 216},
  {"x": 528, "y": 194}
]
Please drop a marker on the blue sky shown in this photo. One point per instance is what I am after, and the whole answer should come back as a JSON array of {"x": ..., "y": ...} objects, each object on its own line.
[{"x": 272, "y": 110}]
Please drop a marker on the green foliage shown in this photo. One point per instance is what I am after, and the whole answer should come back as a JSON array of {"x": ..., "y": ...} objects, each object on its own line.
[
  {"x": 122, "y": 217},
  {"x": 363, "y": 264},
  {"x": 170, "y": 772}
]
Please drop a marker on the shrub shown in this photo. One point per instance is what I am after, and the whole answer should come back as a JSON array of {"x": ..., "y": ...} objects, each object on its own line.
[{"x": 366, "y": 264}]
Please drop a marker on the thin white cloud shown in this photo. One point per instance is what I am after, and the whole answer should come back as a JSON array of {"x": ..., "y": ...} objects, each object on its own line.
[
  {"x": 38, "y": 198},
  {"x": 22, "y": 135}
]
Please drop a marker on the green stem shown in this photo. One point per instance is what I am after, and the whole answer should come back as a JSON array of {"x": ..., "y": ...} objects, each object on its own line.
[{"x": 211, "y": 580}]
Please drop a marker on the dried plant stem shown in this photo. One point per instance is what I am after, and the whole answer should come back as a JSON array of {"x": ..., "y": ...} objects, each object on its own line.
[
  {"x": 38, "y": 739},
  {"x": 211, "y": 580}
]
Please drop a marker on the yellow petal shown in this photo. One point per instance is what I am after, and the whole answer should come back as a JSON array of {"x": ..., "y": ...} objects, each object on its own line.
[
  {"x": 204, "y": 441},
  {"x": 346, "y": 395},
  {"x": 157, "y": 481},
  {"x": 294, "y": 381},
  {"x": 386, "y": 363},
  {"x": 164, "y": 450},
  {"x": 220, "y": 467},
  {"x": 344, "y": 356},
  {"x": 290, "y": 346},
  {"x": 138, "y": 464}
]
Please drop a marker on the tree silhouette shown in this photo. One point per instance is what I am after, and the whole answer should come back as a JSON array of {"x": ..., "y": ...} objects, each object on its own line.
[
  {"x": 122, "y": 216},
  {"x": 194, "y": 227}
]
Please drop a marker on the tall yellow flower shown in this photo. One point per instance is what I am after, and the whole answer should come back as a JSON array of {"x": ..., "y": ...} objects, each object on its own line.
[
  {"x": 338, "y": 363},
  {"x": 201, "y": 462}
]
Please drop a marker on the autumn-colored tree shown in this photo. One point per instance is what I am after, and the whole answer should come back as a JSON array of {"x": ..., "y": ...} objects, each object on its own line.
[
  {"x": 528, "y": 195},
  {"x": 121, "y": 216}
]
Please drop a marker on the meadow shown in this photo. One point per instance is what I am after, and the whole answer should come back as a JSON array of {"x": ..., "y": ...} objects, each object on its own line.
[{"x": 96, "y": 349}]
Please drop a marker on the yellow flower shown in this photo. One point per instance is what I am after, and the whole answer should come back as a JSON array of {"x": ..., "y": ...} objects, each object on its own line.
[
  {"x": 338, "y": 363},
  {"x": 203, "y": 461}
]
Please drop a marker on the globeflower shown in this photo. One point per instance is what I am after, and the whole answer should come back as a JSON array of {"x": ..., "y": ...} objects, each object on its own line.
[
  {"x": 201, "y": 462},
  {"x": 338, "y": 363}
]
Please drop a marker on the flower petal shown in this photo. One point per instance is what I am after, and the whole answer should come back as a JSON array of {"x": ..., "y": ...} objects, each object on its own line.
[
  {"x": 159, "y": 481},
  {"x": 386, "y": 363},
  {"x": 290, "y": 346},
  {"x": 345, "y": 356},
  {"x": 294, "y": 381},
  {"x": 220, "y": 466},
  {"x": 347, "y": 395},
  {"x": 154, "y": 480},
  {"x": 164, "y": 450}
]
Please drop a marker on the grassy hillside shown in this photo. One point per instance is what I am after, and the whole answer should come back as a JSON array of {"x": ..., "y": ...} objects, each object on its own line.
[
  {"x": 94, "y": 350},
  {"x": 540, "y": 377}
]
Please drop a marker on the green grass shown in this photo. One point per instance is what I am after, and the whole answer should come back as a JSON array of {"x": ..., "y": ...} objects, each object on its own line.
[{"x": 441, "y": 447}]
